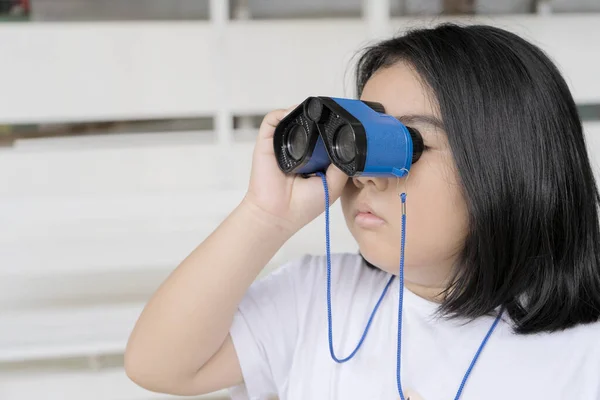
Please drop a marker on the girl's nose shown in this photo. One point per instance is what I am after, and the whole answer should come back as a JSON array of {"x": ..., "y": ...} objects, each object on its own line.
[{"x": 379, "y": 183}]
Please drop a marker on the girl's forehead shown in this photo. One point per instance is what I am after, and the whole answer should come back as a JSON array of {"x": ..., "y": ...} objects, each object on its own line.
[{"x": 401, "y": 91}]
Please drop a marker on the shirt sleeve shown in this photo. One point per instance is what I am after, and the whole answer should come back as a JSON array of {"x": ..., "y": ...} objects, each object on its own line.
[{"x": 265, "y": 330}]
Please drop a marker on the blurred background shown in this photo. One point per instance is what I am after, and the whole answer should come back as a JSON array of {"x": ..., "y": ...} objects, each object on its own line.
[{"x": 126, "y": 132}]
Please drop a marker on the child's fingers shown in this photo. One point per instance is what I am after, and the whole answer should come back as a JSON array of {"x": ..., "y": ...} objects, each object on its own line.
[{"x": 271, "y": 120}]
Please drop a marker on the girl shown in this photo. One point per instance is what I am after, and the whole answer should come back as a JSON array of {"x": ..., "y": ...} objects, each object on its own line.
[{"x": 502, "y": 261}]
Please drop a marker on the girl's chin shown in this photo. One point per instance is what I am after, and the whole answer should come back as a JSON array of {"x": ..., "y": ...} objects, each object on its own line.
[{"x": 375, "y": 261}]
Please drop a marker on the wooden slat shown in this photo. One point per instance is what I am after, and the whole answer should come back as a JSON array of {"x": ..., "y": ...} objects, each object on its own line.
[
  {"x": 104, "y": 384},
  {"x": 592, "y": 130},
  {"x": 73, "y": 72},
  {"x": 141, "y": 164},
  {"x": 67, "y": 332},
  {"x": 104, "y": 71}
]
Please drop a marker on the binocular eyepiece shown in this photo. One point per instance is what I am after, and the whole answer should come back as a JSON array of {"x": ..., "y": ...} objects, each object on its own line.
[{"x": 356, "y": 136}]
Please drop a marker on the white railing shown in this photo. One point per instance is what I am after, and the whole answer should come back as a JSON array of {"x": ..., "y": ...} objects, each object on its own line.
[{"x": 90, "y": 226}]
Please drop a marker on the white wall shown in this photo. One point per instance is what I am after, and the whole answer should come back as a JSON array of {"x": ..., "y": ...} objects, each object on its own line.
[{"x": 90, "y": 226}]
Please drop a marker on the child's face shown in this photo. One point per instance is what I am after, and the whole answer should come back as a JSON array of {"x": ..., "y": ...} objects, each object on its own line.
[{"x": 436, "y": 220}]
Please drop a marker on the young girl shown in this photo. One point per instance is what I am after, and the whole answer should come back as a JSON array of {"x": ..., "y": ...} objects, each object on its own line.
[{"x": 502, "y": 222}]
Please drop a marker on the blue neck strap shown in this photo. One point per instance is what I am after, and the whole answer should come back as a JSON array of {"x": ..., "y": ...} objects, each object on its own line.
[{"x": 400, "y": 303}]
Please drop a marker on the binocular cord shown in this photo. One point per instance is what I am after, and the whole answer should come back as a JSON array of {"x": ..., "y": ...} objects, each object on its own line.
[{"x": 400, "y": 302}]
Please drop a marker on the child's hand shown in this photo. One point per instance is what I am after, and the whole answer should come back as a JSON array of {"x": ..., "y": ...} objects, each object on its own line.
[{"x": 288, "y": 201}]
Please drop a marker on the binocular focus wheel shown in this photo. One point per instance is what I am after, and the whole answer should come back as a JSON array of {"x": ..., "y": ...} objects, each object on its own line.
[{"x": 314, "y": 109}]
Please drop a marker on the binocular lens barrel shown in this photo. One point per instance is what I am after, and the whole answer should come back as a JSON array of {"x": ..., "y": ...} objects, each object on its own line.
[
  {"x": 296, "y": 142},
  {"x": 344, "y": 144}
]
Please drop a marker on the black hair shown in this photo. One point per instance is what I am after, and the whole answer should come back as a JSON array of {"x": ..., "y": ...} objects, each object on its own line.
[{"x": 533, "y": 244}]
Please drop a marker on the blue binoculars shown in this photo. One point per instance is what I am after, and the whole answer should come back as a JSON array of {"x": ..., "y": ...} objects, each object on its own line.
[{"x": 356, "y": 136}]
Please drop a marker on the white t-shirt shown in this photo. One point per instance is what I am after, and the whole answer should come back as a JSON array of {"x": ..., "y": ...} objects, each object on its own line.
[{"x": 281, "y": 338}]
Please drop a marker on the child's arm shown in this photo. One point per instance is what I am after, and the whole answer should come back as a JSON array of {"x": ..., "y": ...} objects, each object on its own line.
[
  {"x": 181, "y": 342},
  {"x": 188, "y": 319}
]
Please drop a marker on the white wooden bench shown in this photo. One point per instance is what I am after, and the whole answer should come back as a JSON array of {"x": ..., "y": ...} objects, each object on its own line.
[{"x": 89, "y": 226}]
